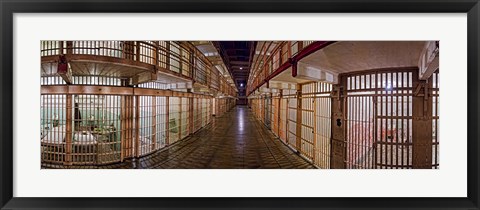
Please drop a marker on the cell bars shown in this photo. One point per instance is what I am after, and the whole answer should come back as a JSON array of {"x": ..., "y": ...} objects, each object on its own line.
[
  {"x": 154, "y": 85},
  {"x": 312, "y": 109},
  {"x": 179, "y": 113},
  {"x": 102, "y": 129},
  {"x": 97, "y": 129},
  {"x": 81, "y": 80},
  {"x": 291, "y": 138},
  {"x": 197, "y": 115},
  {"x": 147, "y": 51},
  {"x": 307, "y": 120},
  {"x": 275, "y": 115},
  {"x": 91, "y": 135},
  {"x": 379, "y": 114},
  {"x": 268, "y": 111},
  {"x": 434, "y": 80},
  {"x": 163, "y": 49},
  {"x": 379, "y": 120},
  {"x": 184, "y": 115},
  {"x": 49, "y": 48},
  {"x": 174, "y": 121},
  {"x": 221, "y": 105},
  {"x": 53, "y": 128},
  {"x": 205, "y": 110},
  {"x": 179, "y": 59},
  {"x": 316, "y": 121},
  {"x": 96, "y": 80},
  {"x": 52, "y": 80},
  {"x": 152, "y": 123},
  {"x": 282, "y": 131}
]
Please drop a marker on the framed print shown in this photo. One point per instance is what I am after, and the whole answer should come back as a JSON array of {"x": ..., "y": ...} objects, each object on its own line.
[{"x": 239, "y": 105}]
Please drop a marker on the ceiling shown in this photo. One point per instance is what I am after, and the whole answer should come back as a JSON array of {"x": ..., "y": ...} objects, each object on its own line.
[
  {"x": 350, "y": 56},
  {"x": 237, "y": 56},
  {"x": 353, "y": 56}
]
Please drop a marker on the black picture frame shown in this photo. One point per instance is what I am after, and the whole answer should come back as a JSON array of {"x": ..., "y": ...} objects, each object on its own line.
[{"x": 9, "y": 7}]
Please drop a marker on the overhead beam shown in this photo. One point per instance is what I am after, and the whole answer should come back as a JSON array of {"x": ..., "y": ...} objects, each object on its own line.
[
  {"x": 200, "y": 90},
  {"x": 239, "y": 62},
  {"x": 308, "y": 72},
  {"x": 180, "y": 85},
  {"x": 282, "y": 85},
  {"x": 144, "y": 77}
]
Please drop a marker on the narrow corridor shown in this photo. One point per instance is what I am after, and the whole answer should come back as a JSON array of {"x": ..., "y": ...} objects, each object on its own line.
[
  {"x": 151, "y": 104},
  {"x": 234, "y": 140}
]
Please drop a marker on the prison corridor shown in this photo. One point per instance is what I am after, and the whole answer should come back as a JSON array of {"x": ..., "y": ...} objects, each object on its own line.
[
  {"x": 240, "y": 104},
  {"x": 235, "y": 140}
]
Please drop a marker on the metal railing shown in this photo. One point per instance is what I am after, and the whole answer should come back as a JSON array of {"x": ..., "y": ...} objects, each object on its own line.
[
  {"x": 269, "y": 57},
  {"x": 95, "y": 127},
  {"x": 169, "y": 56}
]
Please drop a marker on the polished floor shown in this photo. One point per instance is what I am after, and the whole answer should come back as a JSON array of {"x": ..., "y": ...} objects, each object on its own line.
[{"x": 234, "y": 140}]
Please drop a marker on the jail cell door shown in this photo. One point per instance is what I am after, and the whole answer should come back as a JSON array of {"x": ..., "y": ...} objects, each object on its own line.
[
  {"x": 260, "y": 109},
  {"x": 292, "y": 122},
  {"x": 307, "y": 126},
  {"x": 268, "y": 111},
  {"x": 276, "y": 116},
  {"x": 283, "y": 120},
  {"x": 361, "y": 116},
  {"x": 323, "y": 128},
  {"x": 360, "y": 127},
  {"x": 145, "y": 125},
  {"x": 379, "y": 120},
  {"x": 394, "y": 120}
]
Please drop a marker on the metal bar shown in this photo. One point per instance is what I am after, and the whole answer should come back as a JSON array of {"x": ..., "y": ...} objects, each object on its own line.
[
  {"x": 69, "y": 133},
  {"x": 298, "y": 122},
  {"x": 137, "y": 126},
  {"x": 154, "y": 123}
]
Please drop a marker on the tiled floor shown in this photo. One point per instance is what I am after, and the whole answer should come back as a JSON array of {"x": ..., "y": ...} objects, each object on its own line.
[{"x": 234, "y": 140}]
